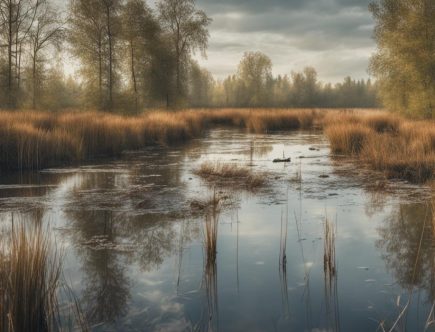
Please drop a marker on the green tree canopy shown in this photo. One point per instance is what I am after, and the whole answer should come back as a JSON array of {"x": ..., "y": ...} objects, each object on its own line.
[
  {"x": 405, "y": 60},
  {"x": 255, "y": 73}
]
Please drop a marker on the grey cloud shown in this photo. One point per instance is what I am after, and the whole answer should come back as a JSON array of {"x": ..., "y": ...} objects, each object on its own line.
[
  {"x": 332, "y": 35},
  {"x": 307, "y": 29},
  {"x": 261, "y": 6}
]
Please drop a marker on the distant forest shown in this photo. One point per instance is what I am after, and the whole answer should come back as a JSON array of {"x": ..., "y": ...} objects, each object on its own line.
[{"x": 131, "y": 57}]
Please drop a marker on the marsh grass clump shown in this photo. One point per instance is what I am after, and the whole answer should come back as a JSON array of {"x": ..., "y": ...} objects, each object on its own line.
[
  {"x": 227, "y": 174},
  {"x": 31, "y": 285},
  {"x": 348, "y": 138},
  {"x": 278, "y": 120},
  {"x": 399, "y": 158},
  {"x": 29, "y": 279},
  {"x": 400, "y": 148},
  {"x": 382, "y": 122}
]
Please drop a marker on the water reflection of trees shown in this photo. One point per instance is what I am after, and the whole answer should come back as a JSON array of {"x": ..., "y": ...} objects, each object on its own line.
[
  {"x": 406, "y": 238},
  {"x": 114, "y": 241},
  {"x": 106, "y": 286},
  {"x": 110, "y": 234}
]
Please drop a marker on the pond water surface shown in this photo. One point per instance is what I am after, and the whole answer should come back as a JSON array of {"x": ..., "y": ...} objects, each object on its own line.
[{"x": 134, "y": 241}]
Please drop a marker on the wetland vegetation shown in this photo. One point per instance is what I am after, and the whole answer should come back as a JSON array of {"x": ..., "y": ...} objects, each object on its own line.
[
  {"x": 400, "y": 147},
  {"x": 139, "y": 191},
  {"x": 145, "y": 223}
]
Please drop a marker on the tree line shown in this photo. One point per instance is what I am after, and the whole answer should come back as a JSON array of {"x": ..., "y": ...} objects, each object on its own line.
[
  {"x": 253, "y": 85},
  {"x": 131, "y": 57}
]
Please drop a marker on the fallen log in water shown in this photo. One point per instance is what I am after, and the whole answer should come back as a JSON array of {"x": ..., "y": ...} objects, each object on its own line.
[{"x": 278, "y": 160}]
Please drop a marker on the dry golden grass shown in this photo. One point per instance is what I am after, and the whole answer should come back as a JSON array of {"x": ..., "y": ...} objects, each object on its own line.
[
  {"x": 35, "y": 140},
  {"x": 231, "y": 174},
  {"x": 24, "y": 146},
  {"x": 381, "y": 122},
  {"x": 348, "y": 138},
  {"x": 29, "y": 279},
  {"x": 30, "y": 283},
  {"x": 400, "y": 158},
  {"x": 401, "y": 148},
  {"x": 273, "y": 120}
]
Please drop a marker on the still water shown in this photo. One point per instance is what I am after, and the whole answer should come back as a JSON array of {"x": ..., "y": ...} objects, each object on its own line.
[{"x": 133, "y": 239}]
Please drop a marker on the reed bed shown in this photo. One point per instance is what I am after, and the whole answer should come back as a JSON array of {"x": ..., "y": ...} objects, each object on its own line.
[
  {"x": 34, "y": 140},
  {"x": 276, "y": 120},
  {"x": 30, "y": 284},
  {"x": 231, "y": 174},
  {"x": 29, "y": 279},
  {"x": 398, "y": 147},
  {"x": 348, "y": 139}
]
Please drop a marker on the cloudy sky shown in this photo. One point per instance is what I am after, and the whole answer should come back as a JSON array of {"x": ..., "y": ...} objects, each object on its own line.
[{"x": 334, "y": 36}]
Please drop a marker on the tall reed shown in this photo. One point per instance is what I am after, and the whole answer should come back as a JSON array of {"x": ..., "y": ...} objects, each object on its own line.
[
  {"x": 211, "y": 226},
  {"x": 29, "y": 279},
  {"x": 210, "y": 267},
  {"x": 329, "y": 250},
  {"x": 30, "y": 283},
  {"x": 283, "y": 262},
  {"x": 401, "y": 149},
  {"x": 330, "y": 277}
]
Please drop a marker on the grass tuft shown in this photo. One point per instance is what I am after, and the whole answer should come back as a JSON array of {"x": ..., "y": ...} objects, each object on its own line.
[
  {"x": 231, "y": 174},
  {"x": 29, "y": 279},
  {"x": 400, "y": 148},
  {"x": 348, "y": 138},
  {"x": 30, "y": 282}
]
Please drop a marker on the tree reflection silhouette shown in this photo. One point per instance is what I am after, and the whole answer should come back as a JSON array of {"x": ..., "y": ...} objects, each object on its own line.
[
  {"x": 106, "y": 283},
  {"x": 110, "y": 235},
  {"x": 412, "y": 264}
]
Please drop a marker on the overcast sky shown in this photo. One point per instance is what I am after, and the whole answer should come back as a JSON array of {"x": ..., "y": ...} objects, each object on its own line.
[{"x": 334, "y": 36}]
